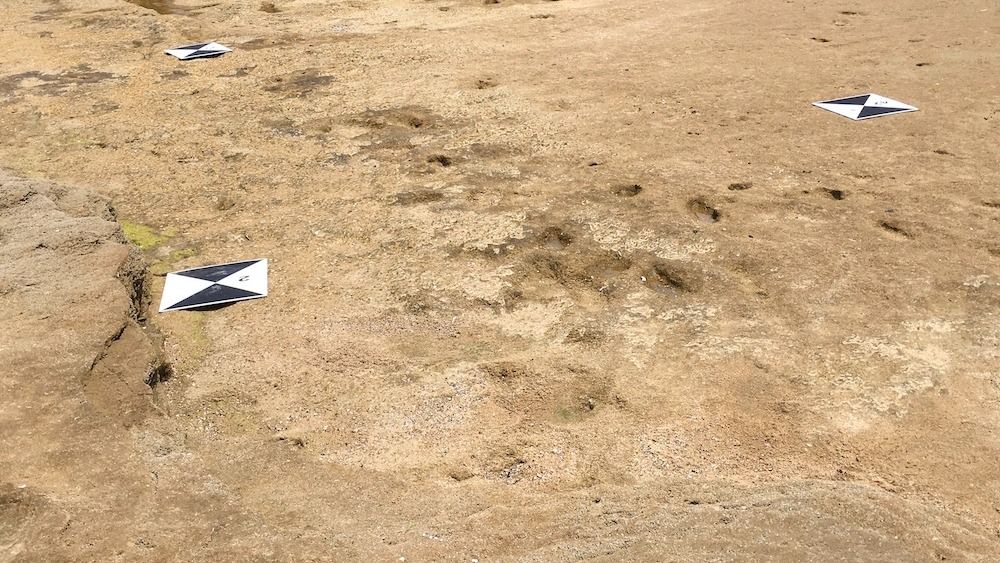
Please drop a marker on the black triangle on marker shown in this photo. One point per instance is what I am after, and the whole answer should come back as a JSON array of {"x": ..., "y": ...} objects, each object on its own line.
[
  {"x": 214, "y": 294},
  {"x": 871, "y": 111},
  {"x": 855, "y": 101},
  {"x": 204, "y": 54},
  {"x": 193, "y": 47},
  {"x": 216, "y": 273}
]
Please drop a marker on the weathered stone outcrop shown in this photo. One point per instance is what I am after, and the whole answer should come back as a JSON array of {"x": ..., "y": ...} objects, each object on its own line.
[{"x": 71, "y": 293}]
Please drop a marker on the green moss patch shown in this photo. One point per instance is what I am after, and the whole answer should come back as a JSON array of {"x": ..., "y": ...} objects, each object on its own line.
[{"x": 145, "y": 237}]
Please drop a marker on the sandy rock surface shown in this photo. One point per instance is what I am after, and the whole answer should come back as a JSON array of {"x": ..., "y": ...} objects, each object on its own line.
[{"x": 549, "y": 281}]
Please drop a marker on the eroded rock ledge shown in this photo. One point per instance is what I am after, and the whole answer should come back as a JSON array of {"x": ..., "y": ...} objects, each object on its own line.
[{"x": 72, "y": 292}]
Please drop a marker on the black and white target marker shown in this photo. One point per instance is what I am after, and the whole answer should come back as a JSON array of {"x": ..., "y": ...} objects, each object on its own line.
[
  {"x": 214, "y": 285},
  {"x": 865, "y": 106},
  {"x": 198, "y": 51}
]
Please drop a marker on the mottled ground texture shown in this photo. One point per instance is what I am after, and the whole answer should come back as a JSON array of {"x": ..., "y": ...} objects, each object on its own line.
[{"x": 550, "y": 281}]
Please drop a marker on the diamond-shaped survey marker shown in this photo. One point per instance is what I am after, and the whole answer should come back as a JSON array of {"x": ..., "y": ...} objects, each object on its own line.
[
  {"x": 198, "y": 51},
  {"x": 865, "y": 106},
  {"x": 214, "y": 285}
]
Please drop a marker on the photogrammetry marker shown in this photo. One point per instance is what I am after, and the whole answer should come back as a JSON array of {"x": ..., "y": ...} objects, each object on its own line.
[
  {"x": 198, "y": 51},
  {"x": 865, "y": 106},
  {"x": 214, "y": 285}
]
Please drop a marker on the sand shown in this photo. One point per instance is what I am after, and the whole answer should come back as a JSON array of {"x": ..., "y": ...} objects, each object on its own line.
[{"x": 583, "y": 279}]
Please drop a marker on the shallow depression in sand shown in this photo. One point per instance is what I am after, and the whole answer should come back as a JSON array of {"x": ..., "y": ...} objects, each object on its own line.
[{"x": 159, "y": 6}]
